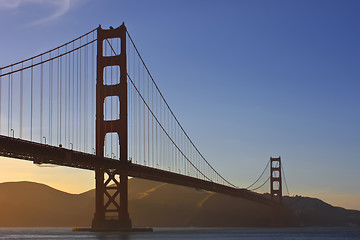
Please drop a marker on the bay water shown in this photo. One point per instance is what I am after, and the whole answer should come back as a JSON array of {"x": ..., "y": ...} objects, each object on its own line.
[{"x": 188, "y": 234}]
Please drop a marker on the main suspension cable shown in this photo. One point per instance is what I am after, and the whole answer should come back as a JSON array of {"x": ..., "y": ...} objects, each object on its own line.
[
  {"x": 260, "y": 175},
  {"x": 44, "y": 53}
]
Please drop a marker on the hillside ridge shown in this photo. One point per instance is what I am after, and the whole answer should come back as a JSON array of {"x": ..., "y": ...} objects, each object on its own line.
[{"x": 155, "y": 204}]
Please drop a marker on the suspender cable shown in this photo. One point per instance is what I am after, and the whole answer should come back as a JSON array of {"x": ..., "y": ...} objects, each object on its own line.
[
  {"x": 50, "y": 98},
  {"x": 31, "y": 101},
  {"x": 9, "y": 97},
  {"x": 152, "y": 127},
  {"x": 78, "y": 100},
  {"x": 85, "y": 95},
  {"x": 93, "y": 83},
  {"x": 67, "y": 100},
  {"x": 0, "y": 99},
  {"x": 11, "y": 110},
  {"x": 80, "y": 97},
  {"x": 106, "y": 149},
  {"x": 143, "y": 117},
  {"x": 72, "y": 106},
  {"x": 41, "y": 100},
  {"x": 117, "y": 105},
  {"x": 111, "y": 104},
  {"x": 148, "y": 126},
  {"x": 21, "y": 99},
  {"x": 58, "y": 99}
]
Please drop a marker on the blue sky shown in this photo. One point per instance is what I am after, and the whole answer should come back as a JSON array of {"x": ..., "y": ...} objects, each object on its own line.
[{"x": 247, "y": 79}]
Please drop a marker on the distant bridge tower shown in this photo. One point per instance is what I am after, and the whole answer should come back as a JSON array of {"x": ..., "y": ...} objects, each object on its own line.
[
  {"x": 275, "y": 179},
  {"x": 111, "y": 201}
]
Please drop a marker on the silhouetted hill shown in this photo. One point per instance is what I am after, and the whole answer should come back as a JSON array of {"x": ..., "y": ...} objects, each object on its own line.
[
  {"x": 314, "y": 212},
  {"x": 159, "y": 204},
  {"x": 36, "y": 205}
]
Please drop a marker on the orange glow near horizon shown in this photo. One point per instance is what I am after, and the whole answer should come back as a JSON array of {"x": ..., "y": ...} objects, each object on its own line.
[{"x": 66, "y": 179}]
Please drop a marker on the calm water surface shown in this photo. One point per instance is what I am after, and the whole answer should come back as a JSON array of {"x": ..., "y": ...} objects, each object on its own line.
[{"x": 187, "y": 233}]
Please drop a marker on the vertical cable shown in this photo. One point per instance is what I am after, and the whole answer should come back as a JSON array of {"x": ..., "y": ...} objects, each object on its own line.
[
  {"x": 130, "y": 137},
  {"x": 77, "y": 100},
  {"x": 10, "y": 102},
  {"x": 93, "y": 97},
  {"x": 50, "y": 98},
  {"x": 143, "y": 117},
  {"x": 148, "y": 126},
  {"x": 9, "y": 96},
  {"x": 161, "y": 139},
  {"x": 152, "y": 129},
  {"x": 173, "y": 149},
  {"x": 111, "y": 105},
  {"x": 58, "y": 98},
  {"x": 86, "y": 103},
  {"x": 41, "y": 99},
  {"x": 135, "y": 115},
  {"x": 21, "y": 98},
  {"x": 156, "y": 135},
  {"x": 117, "y": 104},
  {"x": 71, "y": 82},
  {"x": 140, "y": 123},
  {"x": 0, "y": 100},
  {"x": 105, "y": 106},
  {"x": 72, "y": 96},
  {"x": 31, "y": 100},
  {"x": 80, "y": 97},
  {"x": 65, "y": 98},
  {"x": 60, "y": 101},
  {"x": 85, "y": 93}
]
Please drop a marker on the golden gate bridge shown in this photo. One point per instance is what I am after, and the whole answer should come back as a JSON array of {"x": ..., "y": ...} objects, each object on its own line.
[{"x": 92, "y": 103}]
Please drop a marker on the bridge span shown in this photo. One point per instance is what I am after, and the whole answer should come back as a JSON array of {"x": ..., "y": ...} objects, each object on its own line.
[
  {"x": 46, "y": 154},
  {"x": 92, "y": 104}
]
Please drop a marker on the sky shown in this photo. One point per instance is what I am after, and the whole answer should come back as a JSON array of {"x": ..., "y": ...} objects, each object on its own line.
[{"x": 247, "y": 80}]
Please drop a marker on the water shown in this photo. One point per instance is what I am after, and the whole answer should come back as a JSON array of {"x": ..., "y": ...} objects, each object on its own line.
[{"x": 188, "y": 234}]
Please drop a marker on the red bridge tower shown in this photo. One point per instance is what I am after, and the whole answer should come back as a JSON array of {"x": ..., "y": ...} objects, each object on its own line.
[
  {"x": 111, "y": 200},
  {"x": 275, "y": 179}
]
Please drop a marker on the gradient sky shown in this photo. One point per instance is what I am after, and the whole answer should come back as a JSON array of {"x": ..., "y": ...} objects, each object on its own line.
[{"x": 247, "y": 80}]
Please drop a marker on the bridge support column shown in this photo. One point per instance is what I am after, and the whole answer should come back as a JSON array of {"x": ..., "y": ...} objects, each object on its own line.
[
  {"x": 275, "y": 179},
  {"x": 111, "y": 207},
  {"x": 111, "y": 214},
  {"x": 277, "y": 216}
]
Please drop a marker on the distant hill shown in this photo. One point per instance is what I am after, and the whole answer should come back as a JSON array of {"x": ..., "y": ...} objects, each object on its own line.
[{"x": 28, "y": 204}]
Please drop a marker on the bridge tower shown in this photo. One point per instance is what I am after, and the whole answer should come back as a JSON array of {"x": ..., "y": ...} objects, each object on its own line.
[
  {"x": 111, "y": 199},
  {"x": 275, "y": 179}
]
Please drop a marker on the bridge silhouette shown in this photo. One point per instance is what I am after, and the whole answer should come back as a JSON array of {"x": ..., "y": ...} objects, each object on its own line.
[{"x": 92, "y": 103}]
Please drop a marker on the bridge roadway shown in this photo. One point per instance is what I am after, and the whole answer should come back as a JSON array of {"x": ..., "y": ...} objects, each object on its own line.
[{"x": 41, "y": 153}]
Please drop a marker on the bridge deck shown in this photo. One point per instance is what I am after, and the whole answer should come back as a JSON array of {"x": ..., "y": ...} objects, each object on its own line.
[{"x": 42, "y": 153}]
